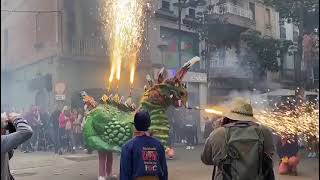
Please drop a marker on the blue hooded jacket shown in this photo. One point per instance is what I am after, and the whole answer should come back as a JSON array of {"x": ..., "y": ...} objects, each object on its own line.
[{"x": 143, "y": 156}]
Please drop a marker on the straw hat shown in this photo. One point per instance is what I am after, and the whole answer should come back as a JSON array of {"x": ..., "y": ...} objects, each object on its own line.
[{"x": 240, "y": 110}]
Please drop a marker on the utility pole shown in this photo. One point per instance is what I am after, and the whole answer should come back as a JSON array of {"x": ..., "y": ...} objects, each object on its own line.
[{"x": 181, "y": 4}]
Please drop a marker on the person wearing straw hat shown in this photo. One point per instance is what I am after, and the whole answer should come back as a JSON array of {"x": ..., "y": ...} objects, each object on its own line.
[{"x": 240, "y": 147}]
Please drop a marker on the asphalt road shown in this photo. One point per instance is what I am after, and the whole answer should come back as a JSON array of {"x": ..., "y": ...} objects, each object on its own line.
[{"x": 186, "y": 166}]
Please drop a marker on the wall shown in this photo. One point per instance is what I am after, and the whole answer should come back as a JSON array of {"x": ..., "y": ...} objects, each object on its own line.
[
  {"x": 261, "y": 21},
  {"x": 79, "y": 75},
  {"x": 289, "y": 59},
  {"x": 21, "y": 97},
  {"x": 27, "y": 30}
]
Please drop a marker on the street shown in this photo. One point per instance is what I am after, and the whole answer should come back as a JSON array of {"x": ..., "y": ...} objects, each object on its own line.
[{"x": 186, "y": 166}]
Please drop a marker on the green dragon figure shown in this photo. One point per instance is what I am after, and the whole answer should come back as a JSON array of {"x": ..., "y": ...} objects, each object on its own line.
[{"x": 109, "y": 124}]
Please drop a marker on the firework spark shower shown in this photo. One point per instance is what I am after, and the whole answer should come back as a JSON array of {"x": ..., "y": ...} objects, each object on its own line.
[
  {"x": 124, "y": 22},
  {"x": 303, "y": 121}
]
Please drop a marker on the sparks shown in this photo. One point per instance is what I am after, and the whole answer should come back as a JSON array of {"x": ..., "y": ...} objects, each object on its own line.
[
  {"x": 302, "y": 121},
  {"x": 124, "y": 22}
]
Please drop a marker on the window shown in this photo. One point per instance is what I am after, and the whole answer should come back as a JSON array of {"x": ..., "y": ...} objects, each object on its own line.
[
  {"x": 252, "y": 8},
  {"x": 192, "y": 12},
  {"x": 268, "y": 20},
  {"x": 283, "y": 33},
  {"x": 295, "y": 36},
  {"x": 5, "y": 41},
  {"x": 165, "y": 5}
]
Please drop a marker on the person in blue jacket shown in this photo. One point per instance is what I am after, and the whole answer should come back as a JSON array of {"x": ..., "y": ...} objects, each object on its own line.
[{"x": 143, "y": 157}]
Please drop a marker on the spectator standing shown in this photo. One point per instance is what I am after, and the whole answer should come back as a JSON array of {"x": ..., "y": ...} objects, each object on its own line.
[
  {"x": 68, "y": 130},
  {"x": 312, "y": 146},
  {"x": 76, "y": 127},
  {"x": 62, "y": 128},
  {"x": 33, "y": 117},
  {"x": 241, "y": 148},
  {"x": 11, "y": 141},
  {"x": 44, "y": 140},
  {"x": 190, "y": 130},
  {"x": 54, "y": 129},
  {"x": 143, "y": 157},
  {"x": 208, "y": 127}
]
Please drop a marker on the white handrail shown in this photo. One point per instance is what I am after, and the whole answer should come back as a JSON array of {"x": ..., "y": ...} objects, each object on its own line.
[{"x": 232, "y": 9}]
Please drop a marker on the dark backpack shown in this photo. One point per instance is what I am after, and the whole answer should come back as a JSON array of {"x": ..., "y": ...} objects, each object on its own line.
[{"x": 244, "y": 152}]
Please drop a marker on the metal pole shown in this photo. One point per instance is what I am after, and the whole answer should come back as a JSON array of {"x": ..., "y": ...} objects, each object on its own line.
[{"x": 179, "y": 34}]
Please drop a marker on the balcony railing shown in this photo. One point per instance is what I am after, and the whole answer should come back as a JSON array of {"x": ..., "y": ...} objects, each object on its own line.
[
  {"x": 88, "y": 47},
  {"x": 229, "y": 8}
]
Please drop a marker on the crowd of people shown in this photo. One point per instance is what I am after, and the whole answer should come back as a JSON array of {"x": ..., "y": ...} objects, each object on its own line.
[{"x": 59, "y": 131}]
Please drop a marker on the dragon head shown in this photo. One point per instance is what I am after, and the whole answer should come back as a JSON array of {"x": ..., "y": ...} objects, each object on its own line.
[{"x": 169, "y": 91}]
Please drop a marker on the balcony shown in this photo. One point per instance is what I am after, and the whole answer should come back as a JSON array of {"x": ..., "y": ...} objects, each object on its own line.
[
  {"x": 166, "y": 14},
  {"x": 190, "y": 20},
  {"x": 88, "y": 47},
  {"x": 232, "y": 14}
]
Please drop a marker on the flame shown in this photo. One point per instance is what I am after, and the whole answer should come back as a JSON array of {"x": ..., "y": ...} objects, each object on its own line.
[
  {"x": 111, "y": 74},
  {"x": 213, "y": 111},
  {"x": 124, "y": 25},
  {"x": 118, "y": 69},
  {"x": 132, "y": 74}
]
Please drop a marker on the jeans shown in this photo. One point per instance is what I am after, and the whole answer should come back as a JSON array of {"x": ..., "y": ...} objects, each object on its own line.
[
  {"x": 77, "y": 139},
  {"x": 27, "y": 146},
  {"x": 54, "y": 136},
  {"x": 35, "y": 136},
  {"x": 61, "y": 138},
  {"x": 190, "y": 136}
]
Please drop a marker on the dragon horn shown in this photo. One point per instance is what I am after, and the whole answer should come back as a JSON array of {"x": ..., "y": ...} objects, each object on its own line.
[
  {"x": 184, "y": 69},
  {"x": 150, "y": 81},
  {"x": 161, "y": 75}
]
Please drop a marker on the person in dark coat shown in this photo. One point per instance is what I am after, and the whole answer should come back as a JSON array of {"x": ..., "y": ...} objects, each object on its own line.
[
  {"x": 143, "y": 157},
  {"x": 54, "y": 129}
]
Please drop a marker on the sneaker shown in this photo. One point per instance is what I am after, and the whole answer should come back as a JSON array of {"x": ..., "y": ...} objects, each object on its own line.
[
  {"x": 310, "y": 155},
  {"x": 112, "y": 177},
  {"x": 188, "y": 147},
  {"x": 192, "y": 147},
  {"x": 314, "y": 155},
  {"x": 101, "y": 178}
]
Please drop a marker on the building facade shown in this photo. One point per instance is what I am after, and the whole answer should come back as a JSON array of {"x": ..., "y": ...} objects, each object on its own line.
[
  {"x": 48, "y": 42},
  {"x": 227, "y": 21}
]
